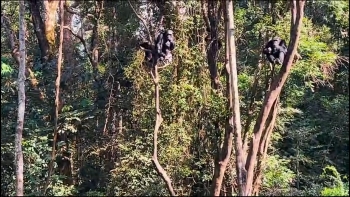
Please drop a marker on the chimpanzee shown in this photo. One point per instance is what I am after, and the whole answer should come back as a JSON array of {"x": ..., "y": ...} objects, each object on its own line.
[
  {"x": 148, "y": 51},
  {"x": 275, "y": 50},
  {"x": 208, "y": 39},
  {"x": 164, "y": 45}
]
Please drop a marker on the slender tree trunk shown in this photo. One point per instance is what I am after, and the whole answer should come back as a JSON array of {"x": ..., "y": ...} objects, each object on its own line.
[
  {"x": 235, "y": 121},
  {"x": 159, "y": 120},
  {"x": 21, "y": 101},
  {"x": 57, "y": 100},
  {"x": 234, "y": 124},
  {"x": 211, "y": 11},
  {"x": 272, "y": 95},
  {"x": 264, "y": 144},
  {"x": 39, "y": 29}
]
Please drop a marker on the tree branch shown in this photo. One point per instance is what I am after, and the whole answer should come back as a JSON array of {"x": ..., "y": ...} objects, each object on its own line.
[
  {"x": 204, "y": 14},
  {"x": 21, "y": 101},
  {"x": 159, "y": 121},
  {"x": 57, "y": 100},
  {"x": 82, "y": 42},
  {"x": 151, "y": 40},
  {"x": 273, "y": 94},
  {"x": 264, "y": 144},
  {"x": 12, "y": 37}
]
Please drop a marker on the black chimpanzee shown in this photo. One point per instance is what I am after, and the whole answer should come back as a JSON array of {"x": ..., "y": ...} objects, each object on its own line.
[
  {"x": 275, "y": 50},
  {"x": 164, "y": 45},
  {"x": 149, "y": 50},
  {"x": 208, "y": 39}
]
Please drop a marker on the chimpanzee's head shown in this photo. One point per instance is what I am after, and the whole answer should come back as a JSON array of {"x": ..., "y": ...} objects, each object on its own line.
[
  {"x": 275, "y": 41},
  {"x": 169, "y": 34}
]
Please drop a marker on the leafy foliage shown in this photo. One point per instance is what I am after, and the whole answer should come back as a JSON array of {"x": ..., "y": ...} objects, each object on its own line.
[{"x": 106, "y": 123}]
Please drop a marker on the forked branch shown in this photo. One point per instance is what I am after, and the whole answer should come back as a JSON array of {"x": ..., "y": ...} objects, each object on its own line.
[{"x": 273, "y": 94}]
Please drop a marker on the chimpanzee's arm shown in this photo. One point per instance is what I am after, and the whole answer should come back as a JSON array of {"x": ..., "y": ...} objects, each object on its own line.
[
  {"x": 145, "y": 46},
  {"x": 281, "y": 48},
  {"x": 172, "y": 45},
  {"x": 159, "y": 43}
]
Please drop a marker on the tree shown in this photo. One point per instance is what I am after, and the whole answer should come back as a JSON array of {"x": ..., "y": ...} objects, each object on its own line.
[
  {"x": 21, "y": 101},
  {"x": 57, "y": 99},
  {"x": 297, "y": 10},
  {"x": 115, "y": 137},
  {"x": 234, "y": 122}
]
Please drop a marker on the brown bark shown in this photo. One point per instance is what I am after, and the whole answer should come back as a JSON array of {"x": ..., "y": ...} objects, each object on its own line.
[
  {"x": 57, "y": 100},
  {"x": 21, "y": 102},
  {"x": 50, "y": 22},
  {"x": 264, "y": 143},
  {"x": 68, "y": 47},
  {"x": 159, "y": 121},
  {"x": 39, "y": 28},
  {"x": 272, "y": 95},
  {"x": 234, "y": 122}
]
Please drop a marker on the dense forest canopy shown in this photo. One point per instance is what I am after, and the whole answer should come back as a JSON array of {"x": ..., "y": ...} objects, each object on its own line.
[{"x": 218, "y": 119}]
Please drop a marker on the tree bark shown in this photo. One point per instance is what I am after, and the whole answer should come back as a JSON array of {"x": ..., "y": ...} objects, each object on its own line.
[
  {"x": 234, "y": 97},
  {"x": 212, "y": 18},
  {"x": 21, "y": 101},
  {"x": 159, "y": 121},
  {"x": 39, "y": 29},
  {"x": 272, "y": 95},
  {"x": 50, "y": 21},
  {"x": 264, "y": 144},
  {"x": 234, "y": 122},
  {"x": 57, "y": 99}
]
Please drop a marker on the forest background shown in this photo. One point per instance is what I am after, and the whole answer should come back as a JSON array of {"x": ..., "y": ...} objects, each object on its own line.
[{"x": 91, "y": 119}]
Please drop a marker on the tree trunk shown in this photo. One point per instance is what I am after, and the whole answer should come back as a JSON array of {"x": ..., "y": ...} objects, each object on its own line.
[
  {"x": 21, "y": 101},
  {"x": 159, "y": 120},
  {"x": 212, "y": 15},
  {"x": 234, "y": 124},
  {"x": 50, "y": 22},
  {"x": 272, "y": 95},
  {"x": 264, "y": 144},
  {"x": 39, "y": 29},
  {"x": 57, "y": 100}
]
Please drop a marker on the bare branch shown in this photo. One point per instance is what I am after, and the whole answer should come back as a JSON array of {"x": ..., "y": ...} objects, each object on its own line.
[
  {"x": 159, "y": 121},
  {"x": 273, "y": 94},
  {"x": 82, "y": 42},
  {"x": 57, "y": 100},
  {"x": 143, "y": 22},
  {"x": 109, "y": 106},
  {"x": 204, "y": 14}
]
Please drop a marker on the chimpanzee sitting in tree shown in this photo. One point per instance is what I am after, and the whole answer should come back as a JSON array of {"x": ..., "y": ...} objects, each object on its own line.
[
  {"x": 161, "y": 50},
  {"x": 164, "y": 45},
  {"x": 275, "y": 50}
]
